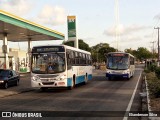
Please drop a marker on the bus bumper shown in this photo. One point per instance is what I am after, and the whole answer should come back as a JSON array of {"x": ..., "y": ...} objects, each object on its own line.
[
  {"x": 117, "y": 75},
  {"x": 37, "y": 84}
]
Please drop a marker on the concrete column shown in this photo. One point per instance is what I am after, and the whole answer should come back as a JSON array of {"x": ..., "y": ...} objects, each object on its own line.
[
  {"x": 5, "y": 49},
  {"x": 76, "y": 43},
  {"x": 29, "y": 45},
  {"x": 29, "y": 54}
]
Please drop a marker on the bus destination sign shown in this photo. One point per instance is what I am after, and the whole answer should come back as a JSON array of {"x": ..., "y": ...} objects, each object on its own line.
[
  {"x": 48, "y": 49},
  {"x": 118, "y": 54}
]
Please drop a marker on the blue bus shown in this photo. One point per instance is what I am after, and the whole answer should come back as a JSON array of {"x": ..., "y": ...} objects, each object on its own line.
[{"x": 120, "y": 64}]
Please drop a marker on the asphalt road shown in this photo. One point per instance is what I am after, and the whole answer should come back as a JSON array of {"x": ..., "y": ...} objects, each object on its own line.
[{"x": 99, "y": 99}]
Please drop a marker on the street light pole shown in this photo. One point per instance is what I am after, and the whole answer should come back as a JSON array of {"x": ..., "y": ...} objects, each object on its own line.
[
  {"x": 158, "y": 45},
  {"x": 97, "y": 55},
  {"x": 153, "y": 49}
]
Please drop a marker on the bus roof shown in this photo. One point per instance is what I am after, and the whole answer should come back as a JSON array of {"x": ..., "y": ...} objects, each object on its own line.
[
  {"x": 67, "y": 47},
  {"x": 119, "y": 53},
  {"x": 76, "y": 49}
]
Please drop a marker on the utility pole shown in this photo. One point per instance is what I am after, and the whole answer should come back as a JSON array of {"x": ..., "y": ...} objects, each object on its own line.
[
  {"x": 158, "y": 44},
  {"x": 153, "y": 48}
]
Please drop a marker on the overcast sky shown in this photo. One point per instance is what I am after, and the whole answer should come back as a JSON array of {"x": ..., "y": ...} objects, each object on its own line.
[{"x": 95, "y": 19}]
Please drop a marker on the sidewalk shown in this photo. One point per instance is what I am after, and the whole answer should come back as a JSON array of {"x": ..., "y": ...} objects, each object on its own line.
[
  {"x": 24, "y": 86},
  {"x": 98, "y": 72},
  {"x": 4, "y": 93}
]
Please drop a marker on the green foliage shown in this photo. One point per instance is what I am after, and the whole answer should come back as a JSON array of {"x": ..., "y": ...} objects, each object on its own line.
[
  {"x": 146, "y": 70},
  {"x": 157, "y": 72},
  {"x": 98, "y": 52},
  {"x": 153, "y": 79},
  {"x": 152, "y": 68},
  {"x": 153, "y": 84},
  {"x": 133, "y": 52},
  {"x": 82, "y": 44},
  {"x": 143, "y": 53},
  {"x": 69, "y": 43}
]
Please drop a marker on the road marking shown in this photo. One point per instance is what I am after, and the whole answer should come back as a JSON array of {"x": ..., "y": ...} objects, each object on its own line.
[{"x": 131, "y": 100}]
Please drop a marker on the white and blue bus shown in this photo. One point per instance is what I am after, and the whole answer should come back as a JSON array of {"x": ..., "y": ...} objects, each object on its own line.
[
  {"x": 59, "y": 66},
  {"x": 119, "y": 64}
]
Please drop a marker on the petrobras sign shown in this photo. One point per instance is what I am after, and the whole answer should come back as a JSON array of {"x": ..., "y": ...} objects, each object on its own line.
[{"x": 71, "y": 20}]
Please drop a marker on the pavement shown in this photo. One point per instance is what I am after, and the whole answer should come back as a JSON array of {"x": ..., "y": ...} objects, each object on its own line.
[
  {"x": 25, "y": 84},
  {"x": 98, "y": 72}
]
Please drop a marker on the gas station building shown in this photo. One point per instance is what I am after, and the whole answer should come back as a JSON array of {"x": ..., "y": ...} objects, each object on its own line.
[{"x": 16, "y": 29}]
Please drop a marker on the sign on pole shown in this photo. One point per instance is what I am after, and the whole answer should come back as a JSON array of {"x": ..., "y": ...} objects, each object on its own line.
[
  {"x": 71, "y": 27},
  {"x": 72, "y": 33}
]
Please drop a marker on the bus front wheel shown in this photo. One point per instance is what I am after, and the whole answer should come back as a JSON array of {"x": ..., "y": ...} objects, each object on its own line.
[
  {"x": 129, "y": 76},
  {"x": 109, "y": 78},
  {"x": 73, "y": 83},
  {"x": 86, "y": 79}
]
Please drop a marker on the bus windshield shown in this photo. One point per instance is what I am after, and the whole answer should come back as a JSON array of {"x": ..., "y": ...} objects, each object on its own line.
[
  {"x": 117, "y": 62},
  {"x": 48, "y": 63}
]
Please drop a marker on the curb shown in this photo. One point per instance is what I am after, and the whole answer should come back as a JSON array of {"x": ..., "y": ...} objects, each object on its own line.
[
  {"x": 148, "y": 102},
  {"x": 11, "y": 93}
]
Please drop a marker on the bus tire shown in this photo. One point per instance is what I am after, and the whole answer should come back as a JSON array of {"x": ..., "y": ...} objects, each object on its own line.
[
  {"x": 73, "y": 83},
  {"x": 86, "y": 79},
  {"x": 109, "y": 78},
  {"x": 132, "y": 74},
  {"x": 129, "y": 76}
]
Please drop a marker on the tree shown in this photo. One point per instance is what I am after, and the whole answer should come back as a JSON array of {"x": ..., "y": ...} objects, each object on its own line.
[
  {"x": 98, "y": 51},
  {"x": 128, "y": 51},
  {"x": 82, "y": 45},
  {"x": 133, "y": 52},
  {"x": 143, "y": 53}
]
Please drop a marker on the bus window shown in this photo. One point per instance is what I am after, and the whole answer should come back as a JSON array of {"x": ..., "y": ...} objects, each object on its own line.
[
  {"x": 48, "y": 63},
  {"x": 76, "y": 58},
  {"x": 73, "y": 57}
]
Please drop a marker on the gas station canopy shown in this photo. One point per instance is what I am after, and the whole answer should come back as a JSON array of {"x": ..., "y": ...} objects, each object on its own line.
[
  {"x": 20, "y": 30},
  {"x": 16, "y": 29}
]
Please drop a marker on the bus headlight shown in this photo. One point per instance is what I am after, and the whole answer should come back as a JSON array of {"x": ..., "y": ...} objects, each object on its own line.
[
  {"x": 126, "y": 72},
  {"x": 36, "y": 78},
  {"x": 108, "y": 71},
  {"x": 62, "y": 77},
  {"x": 1, "y": 81}
]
